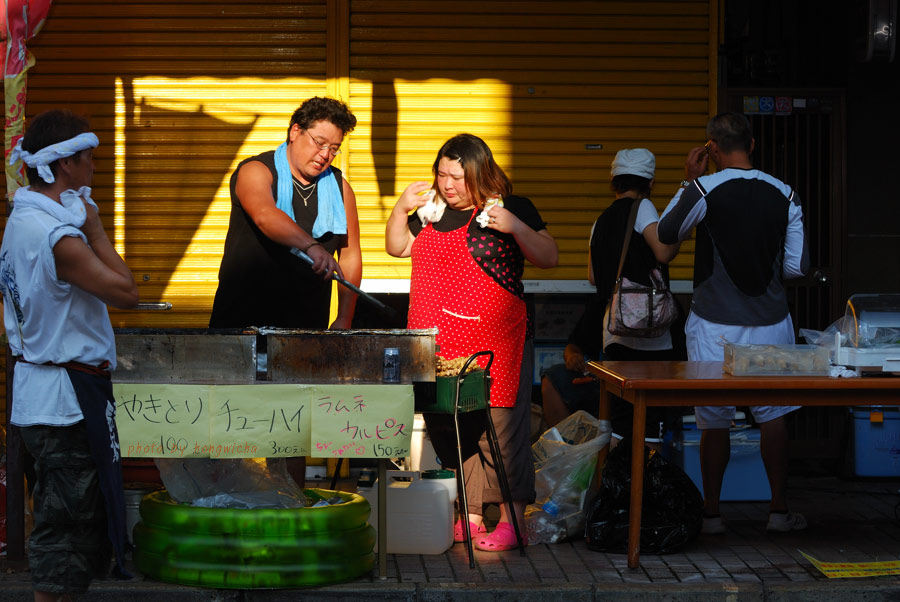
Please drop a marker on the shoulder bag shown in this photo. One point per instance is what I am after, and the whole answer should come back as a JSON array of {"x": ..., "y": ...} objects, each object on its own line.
[{"x": 636, "y": 310}]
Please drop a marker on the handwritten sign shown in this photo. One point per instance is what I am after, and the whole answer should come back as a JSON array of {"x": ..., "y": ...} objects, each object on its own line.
[
  {"x": 162, "y": 421},
  {"x": 252, "y": 421},
  {"x": 361, "y": 421},
  {"x": 264, "y": 420}
]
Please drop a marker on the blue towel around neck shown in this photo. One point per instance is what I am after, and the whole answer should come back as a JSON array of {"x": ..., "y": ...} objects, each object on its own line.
[{"x": 331, "y": 216}]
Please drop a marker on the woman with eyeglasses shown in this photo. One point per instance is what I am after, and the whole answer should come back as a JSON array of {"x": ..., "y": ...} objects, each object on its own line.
[
  {"x": 468, "y": 237},
  {"x": 292, "y": 197}
]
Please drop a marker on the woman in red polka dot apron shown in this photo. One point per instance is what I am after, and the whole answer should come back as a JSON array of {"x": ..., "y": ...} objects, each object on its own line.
[{"x": 468, "y": 254}]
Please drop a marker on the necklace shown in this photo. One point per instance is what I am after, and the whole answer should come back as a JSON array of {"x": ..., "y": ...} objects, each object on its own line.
[{"x": 308, "y": 189}]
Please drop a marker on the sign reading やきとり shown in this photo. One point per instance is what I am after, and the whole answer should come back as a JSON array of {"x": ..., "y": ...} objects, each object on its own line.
[{"x": 265, "y": 420}]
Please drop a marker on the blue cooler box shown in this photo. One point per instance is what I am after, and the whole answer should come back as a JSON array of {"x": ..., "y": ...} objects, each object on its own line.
[
  {"x": 745, "y": 478},
  {"x": 876, "y": 441}
]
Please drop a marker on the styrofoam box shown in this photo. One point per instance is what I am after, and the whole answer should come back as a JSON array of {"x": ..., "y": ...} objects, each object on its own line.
[
  {"x": 876, "y": 444},
  {"x": 745, "y": 477},
  {"x": 422, "y": 456}
]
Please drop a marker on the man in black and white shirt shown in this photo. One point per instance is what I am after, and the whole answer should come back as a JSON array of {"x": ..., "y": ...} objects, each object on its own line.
[{"x": 750, "y": 236}]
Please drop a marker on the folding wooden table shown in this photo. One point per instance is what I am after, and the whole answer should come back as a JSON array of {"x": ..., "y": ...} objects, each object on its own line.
[{"x": 646, "y": 384}]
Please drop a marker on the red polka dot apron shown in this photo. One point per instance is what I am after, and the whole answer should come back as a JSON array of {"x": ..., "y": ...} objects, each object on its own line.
[{"x": 450, "y": 290}]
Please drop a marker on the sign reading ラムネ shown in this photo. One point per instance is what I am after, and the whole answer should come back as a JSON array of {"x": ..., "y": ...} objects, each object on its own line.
[
  {"x": 361, "y": 421},
  {"x": 265, "y": 420}
]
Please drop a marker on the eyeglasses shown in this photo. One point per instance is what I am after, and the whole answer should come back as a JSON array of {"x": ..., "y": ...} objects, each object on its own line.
[{"x": 334, "y": 150}]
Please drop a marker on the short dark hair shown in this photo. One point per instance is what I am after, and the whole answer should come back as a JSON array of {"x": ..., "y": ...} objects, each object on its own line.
[
  {"x": 626, "y": 181},
  {"x": 321, "y": 108},
  {"x": 484, "y": 178},
  {"x": 51, "y": 127},
  {"x": 731, "y": 132}
]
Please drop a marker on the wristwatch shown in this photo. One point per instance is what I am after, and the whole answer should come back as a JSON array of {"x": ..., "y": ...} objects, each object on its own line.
[{"x": 685, "y": 183}]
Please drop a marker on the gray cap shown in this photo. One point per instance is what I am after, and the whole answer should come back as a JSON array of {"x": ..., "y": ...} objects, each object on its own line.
[{"x": 634, "y": 161}]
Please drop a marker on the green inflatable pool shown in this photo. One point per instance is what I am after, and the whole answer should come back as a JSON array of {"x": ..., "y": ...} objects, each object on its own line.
[{"x": 247, "y": 549}]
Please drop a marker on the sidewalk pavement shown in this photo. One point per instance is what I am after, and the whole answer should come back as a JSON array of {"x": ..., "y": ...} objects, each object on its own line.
[{"x": 849, "y": 521}]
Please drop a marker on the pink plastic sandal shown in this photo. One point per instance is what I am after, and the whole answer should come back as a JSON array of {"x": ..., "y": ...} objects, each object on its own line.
[
  {"x": 460, "y": 536},
  {"x": 502, "y": 538}
]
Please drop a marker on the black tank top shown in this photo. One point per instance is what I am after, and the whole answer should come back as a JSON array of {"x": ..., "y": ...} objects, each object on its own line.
[{"x": 260, "y": 282}]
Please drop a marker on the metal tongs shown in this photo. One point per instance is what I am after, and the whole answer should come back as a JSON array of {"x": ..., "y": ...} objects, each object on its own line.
[{"x": 388, "y": 310}]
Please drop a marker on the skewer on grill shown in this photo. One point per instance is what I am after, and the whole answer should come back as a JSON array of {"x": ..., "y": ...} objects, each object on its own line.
[{"x": 388, "y": 310}]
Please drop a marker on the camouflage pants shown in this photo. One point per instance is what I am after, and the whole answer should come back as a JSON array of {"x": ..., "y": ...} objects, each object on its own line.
[{"x": 69, "y": 543}]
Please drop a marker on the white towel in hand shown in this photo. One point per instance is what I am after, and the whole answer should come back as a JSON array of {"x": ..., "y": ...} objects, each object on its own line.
[
  {"x": 433, "y": 210},
  {"x": 483, "y": 218}
]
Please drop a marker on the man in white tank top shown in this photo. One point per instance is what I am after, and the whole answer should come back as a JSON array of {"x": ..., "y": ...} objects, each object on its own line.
[{"x": 58, "y": 272}]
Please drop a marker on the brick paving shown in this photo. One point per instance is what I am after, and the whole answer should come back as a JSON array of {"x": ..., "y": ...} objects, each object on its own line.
[{"x": 850, "y": 521}]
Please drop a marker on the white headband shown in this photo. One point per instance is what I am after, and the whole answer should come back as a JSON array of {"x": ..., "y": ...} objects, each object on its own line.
[{"x": 47, "y": 155}]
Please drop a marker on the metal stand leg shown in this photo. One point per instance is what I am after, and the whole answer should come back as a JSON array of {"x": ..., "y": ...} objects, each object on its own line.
[
  {"x": 461, "y": 484},
  {"x": 500, "y": 469},
  {"x": 337, "y": 472},
  {"x": 382, "y": 518}
]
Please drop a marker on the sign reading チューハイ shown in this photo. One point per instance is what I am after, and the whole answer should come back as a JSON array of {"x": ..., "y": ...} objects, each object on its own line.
[
  {"x": 259, "y": 420},
  {"x": 361, "y": 421},
  {"x": 265, "y": 420}
]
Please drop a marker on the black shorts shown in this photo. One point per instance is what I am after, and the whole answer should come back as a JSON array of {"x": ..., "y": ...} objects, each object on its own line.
[{"x": 68, "y": 545}]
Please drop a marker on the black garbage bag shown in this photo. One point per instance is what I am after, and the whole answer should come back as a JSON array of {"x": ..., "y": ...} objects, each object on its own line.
[{"x": 672, "y": 509}]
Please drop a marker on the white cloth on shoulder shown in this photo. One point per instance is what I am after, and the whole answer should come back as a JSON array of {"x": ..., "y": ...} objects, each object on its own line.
[{"x": 70, "y": 210}]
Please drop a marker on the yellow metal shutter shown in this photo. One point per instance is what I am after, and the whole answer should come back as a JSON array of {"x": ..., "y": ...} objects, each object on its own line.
[
  {"x": 540, "y": 82},
  {"x": 178, "y": 94}
]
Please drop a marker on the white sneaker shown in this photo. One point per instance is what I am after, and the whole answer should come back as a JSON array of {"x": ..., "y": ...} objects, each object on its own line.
[
  {"x": 782, "y": 522},
  {"x": 713, "y": 525}
]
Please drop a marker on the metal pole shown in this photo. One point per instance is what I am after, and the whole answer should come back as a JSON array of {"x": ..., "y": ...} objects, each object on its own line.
[{"x": 382, "y": 518}]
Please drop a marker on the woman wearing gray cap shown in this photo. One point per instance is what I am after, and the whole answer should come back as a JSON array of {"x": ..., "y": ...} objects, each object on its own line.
[{"x": 632, "y": 172}]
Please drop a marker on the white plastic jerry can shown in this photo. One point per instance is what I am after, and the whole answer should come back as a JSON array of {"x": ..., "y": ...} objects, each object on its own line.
[{"x": 419, "y": 513}]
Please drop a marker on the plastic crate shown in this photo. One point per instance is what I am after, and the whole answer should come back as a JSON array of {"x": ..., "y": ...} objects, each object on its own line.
[
  {"x": 876, "y": 441},
  {"x": 471, "y": 394},
  {"x": 745, "y": 477}
]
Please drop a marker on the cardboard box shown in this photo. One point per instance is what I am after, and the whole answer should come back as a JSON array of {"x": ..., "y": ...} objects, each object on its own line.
[
  {"x": 745, "y": 478},
  {"x": 876, "y": 441}
]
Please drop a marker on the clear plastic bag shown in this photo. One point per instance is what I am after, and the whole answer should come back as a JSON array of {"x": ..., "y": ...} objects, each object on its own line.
[
  {"x": 869, "y": 321},
  {"x": 231, "y": 483},
  {"x": 565, "y": 463},
  {"x": 825, "y": 338}
]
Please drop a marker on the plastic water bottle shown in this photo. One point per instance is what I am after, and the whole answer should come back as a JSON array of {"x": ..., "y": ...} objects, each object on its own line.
[
  {"x": 541, "y": 525},
  {"x": 551, "y": 508}
]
